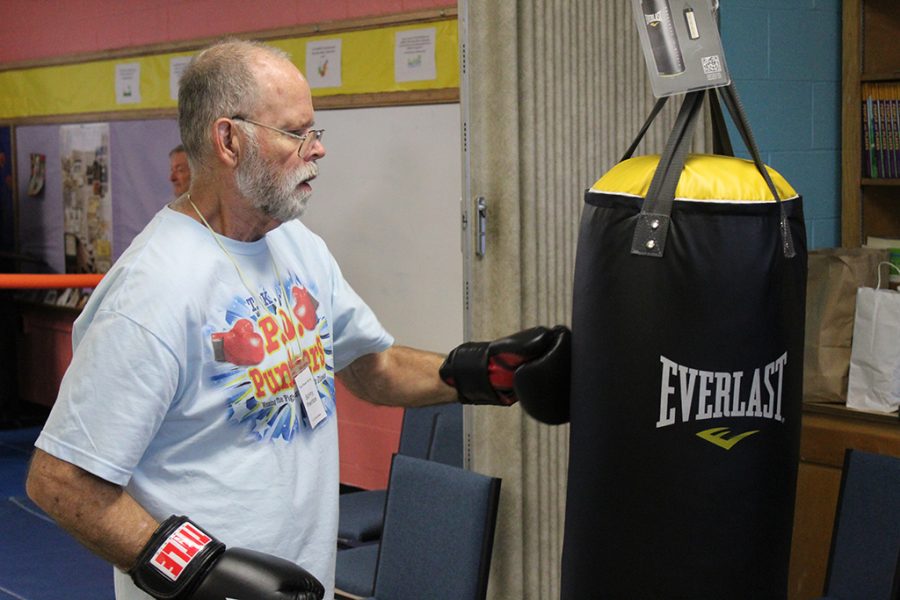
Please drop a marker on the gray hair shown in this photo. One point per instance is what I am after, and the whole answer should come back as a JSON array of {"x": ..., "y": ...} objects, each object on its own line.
[
  {"x": 218, "y": 82},
  {"x": 176, "y": 149}
]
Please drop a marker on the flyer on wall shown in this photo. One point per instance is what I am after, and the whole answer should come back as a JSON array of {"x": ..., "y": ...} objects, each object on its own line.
[{"x": 87, "y": 199}]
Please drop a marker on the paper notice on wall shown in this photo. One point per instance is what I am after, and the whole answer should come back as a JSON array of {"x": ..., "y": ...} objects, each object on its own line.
[
  {"x": 87, "y": 199},
  {"x": 177, "y": 65},
  {"x": 323, "y": 63},
  {"x": 128, "y": 83},
  {"x": 414, "y": 55}
]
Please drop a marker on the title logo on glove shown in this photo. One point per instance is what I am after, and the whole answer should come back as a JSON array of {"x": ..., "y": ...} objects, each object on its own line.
[{"x": 178, "y": 550}]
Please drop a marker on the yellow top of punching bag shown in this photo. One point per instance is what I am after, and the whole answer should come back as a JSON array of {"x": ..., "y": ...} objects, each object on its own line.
[{"x": 706, "y": 178}]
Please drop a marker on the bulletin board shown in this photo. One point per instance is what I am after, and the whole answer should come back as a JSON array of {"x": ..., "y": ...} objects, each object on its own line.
[{"x": 139, "y": 176}]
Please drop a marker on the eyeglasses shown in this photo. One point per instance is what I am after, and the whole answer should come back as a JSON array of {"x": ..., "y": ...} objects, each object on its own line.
[{"x": 307, "y": 140}]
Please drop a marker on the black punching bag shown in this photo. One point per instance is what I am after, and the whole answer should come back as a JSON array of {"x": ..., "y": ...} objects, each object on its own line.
[{"x": 687, "y": 357}]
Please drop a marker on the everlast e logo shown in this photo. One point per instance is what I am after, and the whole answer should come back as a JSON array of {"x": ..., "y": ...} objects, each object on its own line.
[{"x": 688, "y": 394}]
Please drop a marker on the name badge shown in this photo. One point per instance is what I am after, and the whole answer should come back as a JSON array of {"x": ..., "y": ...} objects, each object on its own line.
[{"x": 309, "y": 395}]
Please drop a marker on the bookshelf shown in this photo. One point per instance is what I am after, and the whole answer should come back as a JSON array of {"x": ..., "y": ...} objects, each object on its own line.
[{"x": 870, "y": 200}]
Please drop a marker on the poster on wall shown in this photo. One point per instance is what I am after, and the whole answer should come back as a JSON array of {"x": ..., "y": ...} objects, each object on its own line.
[
  {"x": 323, "y": 63},
  {"x": 414, "y": 55},
  {"x": 87, "y": 199}
]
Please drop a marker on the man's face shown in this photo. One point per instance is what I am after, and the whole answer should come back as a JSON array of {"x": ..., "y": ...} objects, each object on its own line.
[
  {"x": 279, "y": 194},
  {"x": 271, "y": 175},
  {"x": 179, "y": 173}
]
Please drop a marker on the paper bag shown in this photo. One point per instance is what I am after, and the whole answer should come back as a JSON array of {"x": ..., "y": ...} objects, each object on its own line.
[
  {"x": 875, "y": 359},
  {"x": 835, "y": 275}
]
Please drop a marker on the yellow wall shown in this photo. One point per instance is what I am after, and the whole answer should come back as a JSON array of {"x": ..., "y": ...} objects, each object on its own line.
[{"x": 367, "y": 67}]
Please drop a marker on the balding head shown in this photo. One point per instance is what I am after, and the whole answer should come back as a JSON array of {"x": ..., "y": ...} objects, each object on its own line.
[{"x": 220, "y": 81}]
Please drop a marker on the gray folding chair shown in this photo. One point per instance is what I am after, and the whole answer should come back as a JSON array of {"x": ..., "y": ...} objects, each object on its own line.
[
  {"x": 437, "y": 539},
  {"x": 423, "y": 433},
  {"x": 865, "y": 546}
]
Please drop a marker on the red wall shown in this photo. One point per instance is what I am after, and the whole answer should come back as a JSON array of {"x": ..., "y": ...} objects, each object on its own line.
[
  {"x": 39, "y": 29},
  {"x": 368, "y": 435}
]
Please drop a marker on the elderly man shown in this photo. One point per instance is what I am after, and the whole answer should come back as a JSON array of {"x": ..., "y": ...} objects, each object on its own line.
[
  {"x": 179, "y": 170},
  {"x": 202, "y": 381}
]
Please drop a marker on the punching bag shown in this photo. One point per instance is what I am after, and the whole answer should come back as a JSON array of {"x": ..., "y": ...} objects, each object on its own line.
[{"x": 687, "y": 356}]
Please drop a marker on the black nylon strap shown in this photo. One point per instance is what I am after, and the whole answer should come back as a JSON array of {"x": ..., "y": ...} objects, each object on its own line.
[
  {"x": 721, "y": 139},
  {"x": 733, "y": 103},
  {"x": 652, "y": 225},
  {"x": 640, "y": 135}
]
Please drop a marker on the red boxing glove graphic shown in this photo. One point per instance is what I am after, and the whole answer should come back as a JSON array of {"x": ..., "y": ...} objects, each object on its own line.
[
  {"x": 305, "y": 308},
  {"x": 240, "y": 346}
]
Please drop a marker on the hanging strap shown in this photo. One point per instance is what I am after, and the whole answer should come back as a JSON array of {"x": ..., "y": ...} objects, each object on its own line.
[
  {"x": 733, "y": 102},
  {"x": 653, "y": 222},
  {"x": 721, "y": 140},
  {"x": 640, "y": 135}
]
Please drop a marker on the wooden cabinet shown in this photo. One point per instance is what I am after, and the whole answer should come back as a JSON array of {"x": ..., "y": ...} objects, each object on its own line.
[
  {"x": 44, "y": 349},
  {"x": 828, "y": 430},
  {"x": 870, "y": 206}
]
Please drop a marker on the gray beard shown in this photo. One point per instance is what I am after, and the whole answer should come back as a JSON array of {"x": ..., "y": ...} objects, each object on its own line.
[{"x": 278, "y": 198}]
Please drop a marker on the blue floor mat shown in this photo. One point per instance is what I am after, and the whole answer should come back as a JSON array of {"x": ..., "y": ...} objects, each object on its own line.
[
  {"x": 38, "y": 560},
  {"x": 16, "y": 446}
]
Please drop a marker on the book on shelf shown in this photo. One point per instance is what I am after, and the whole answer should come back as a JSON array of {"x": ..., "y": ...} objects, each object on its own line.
[{"x": 881, "y": 130}]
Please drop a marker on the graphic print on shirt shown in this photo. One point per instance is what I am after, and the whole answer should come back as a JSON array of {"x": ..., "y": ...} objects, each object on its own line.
[{"x": 252, "y": 348}]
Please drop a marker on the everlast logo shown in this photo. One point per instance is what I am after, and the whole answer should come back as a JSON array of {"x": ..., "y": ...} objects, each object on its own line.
[{"x": 688, "y": 394}]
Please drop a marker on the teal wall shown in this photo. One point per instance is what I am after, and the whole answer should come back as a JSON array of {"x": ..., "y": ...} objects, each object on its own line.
[{"x": 785, "y": 59}]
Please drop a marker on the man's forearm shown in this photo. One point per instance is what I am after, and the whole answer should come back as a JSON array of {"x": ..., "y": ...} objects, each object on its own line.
[
  {"x": 101, "y": 515},
  {"x": 399, "y": 376}
]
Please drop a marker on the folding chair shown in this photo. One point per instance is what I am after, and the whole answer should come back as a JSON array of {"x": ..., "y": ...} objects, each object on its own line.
[
  {"x": 362, "y": 513},
  {"x": 437, "y": 539},
  {"x": 865, "y": 545}
]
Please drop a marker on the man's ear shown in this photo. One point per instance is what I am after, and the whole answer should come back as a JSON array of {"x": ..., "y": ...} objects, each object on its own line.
[{"x": 226, "y": 145}]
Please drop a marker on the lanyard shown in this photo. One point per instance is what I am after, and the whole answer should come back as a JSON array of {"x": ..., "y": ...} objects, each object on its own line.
[{"x": 281, "y": 290}]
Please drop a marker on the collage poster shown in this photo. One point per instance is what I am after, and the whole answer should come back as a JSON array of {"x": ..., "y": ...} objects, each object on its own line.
[{"x": 87, "y": 200}]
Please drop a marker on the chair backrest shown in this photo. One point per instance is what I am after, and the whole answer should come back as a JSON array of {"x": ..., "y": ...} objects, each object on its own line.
[
  {"x": 438, "y": 532},
  {"x": 417, "y": 432},
  {"x": 866, "y": 539},
  {"x": 447, "y": 439}
]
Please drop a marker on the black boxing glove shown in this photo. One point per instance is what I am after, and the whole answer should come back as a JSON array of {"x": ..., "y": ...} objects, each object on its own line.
[
  {"x": 489, "y": 372},
  {"x": 183, "y": 562},
  {"x": 543, "y": 385}
]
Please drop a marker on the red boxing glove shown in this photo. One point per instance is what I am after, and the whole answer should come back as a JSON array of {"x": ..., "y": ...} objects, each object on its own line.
[
  {"x": 240, "y": 346},
  {"x": 305, "y": 308}
]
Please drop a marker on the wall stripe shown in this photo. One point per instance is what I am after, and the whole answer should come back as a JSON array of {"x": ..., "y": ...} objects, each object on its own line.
[{"x": 89, "y": 87}]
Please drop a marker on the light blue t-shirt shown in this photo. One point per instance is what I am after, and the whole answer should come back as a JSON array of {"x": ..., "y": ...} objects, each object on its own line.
[{"x": 179, "y": 387}]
